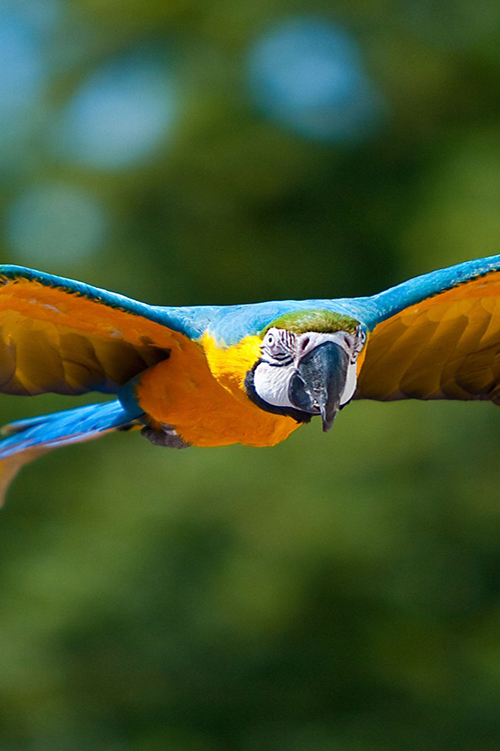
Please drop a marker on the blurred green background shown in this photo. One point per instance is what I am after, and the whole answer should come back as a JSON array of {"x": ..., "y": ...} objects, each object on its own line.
[{"x": 335, "y": 593}]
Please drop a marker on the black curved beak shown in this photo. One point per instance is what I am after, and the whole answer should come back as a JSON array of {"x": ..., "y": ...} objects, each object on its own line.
[{"x": 317, "y": 385}]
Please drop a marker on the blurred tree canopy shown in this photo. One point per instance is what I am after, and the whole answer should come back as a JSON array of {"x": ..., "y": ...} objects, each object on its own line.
[{"x": 330, "y": 594}]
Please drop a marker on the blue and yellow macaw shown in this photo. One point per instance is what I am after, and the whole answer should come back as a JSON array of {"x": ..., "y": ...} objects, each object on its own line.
[{"x": 251, "y": 374}]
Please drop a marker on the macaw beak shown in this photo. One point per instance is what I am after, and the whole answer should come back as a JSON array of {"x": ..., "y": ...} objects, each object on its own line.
[{"x": 318, "y": 383}]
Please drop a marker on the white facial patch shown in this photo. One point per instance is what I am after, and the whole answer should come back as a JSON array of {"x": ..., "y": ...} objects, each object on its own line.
[
  {"x": 350, "y": 383},
  {"x": 281, "y": 355},
  {"x": 271, "y": 383}
]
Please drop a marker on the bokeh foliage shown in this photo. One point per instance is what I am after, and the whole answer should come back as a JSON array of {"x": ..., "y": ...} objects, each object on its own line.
[{"x": 336, "y": 593}]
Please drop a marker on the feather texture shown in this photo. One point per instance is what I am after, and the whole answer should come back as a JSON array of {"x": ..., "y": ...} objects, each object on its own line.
[
  {"x": 445, "y": 347},
  {"x": 184, "y": 370},
  {"x": 64, "y": 337},
  {"x": 28, "y": 439}
]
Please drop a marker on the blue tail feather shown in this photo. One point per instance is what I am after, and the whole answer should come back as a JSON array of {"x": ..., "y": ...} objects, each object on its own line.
[{"x": 28, "y": 439}]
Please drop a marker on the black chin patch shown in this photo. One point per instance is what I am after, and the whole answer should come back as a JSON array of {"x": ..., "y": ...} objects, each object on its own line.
[{"x": 252, "y": 394}]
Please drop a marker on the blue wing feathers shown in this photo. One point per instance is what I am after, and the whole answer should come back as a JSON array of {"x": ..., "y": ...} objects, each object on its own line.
[
  {"x": 229, "y": 324},
  {"x": 393, "y": 300},
  {"x": 28, "y": 439},
  {"x": 63, "y": 425},
  {"x": 189, "y": 321}
]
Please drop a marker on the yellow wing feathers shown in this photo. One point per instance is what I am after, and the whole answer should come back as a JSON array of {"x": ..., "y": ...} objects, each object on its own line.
[
  {"x": 54, "y": 340},
  {"x": 447, "y": 346}
]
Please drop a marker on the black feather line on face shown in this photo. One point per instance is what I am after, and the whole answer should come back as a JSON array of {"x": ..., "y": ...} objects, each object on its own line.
[{"x": 252, "y": 394}]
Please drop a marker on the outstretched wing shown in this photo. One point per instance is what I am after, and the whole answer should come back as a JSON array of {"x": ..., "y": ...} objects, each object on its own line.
[
  {"x": 438, "y": 337},
  {"x": 69, "y": 338}
]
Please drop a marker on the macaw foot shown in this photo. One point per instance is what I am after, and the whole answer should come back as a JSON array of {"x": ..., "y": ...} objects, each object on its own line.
[{"x": 167, "y": 436}]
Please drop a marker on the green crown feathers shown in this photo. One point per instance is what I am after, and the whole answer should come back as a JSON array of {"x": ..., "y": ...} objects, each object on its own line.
[{"x": 322, "y": 321}]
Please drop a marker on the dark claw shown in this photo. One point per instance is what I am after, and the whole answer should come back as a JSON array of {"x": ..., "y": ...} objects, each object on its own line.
[{"x": 166, "y": 437}]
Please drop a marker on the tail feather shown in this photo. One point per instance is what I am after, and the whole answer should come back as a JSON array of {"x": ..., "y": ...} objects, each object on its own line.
[{"x": 28, "y": 439}]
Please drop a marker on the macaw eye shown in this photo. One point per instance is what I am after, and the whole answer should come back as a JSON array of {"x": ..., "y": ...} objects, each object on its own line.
[
  {"x": 278, "y": 346},
  {"x": 361, "y": 338},
  {"x": 361, "y": 334}
]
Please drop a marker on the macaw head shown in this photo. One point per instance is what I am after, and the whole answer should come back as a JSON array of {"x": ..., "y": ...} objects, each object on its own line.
[{"x": 307, "y": 365}]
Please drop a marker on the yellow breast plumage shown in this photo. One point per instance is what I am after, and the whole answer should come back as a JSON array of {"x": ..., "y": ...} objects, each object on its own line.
[{"x": 200, "y": 391}]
